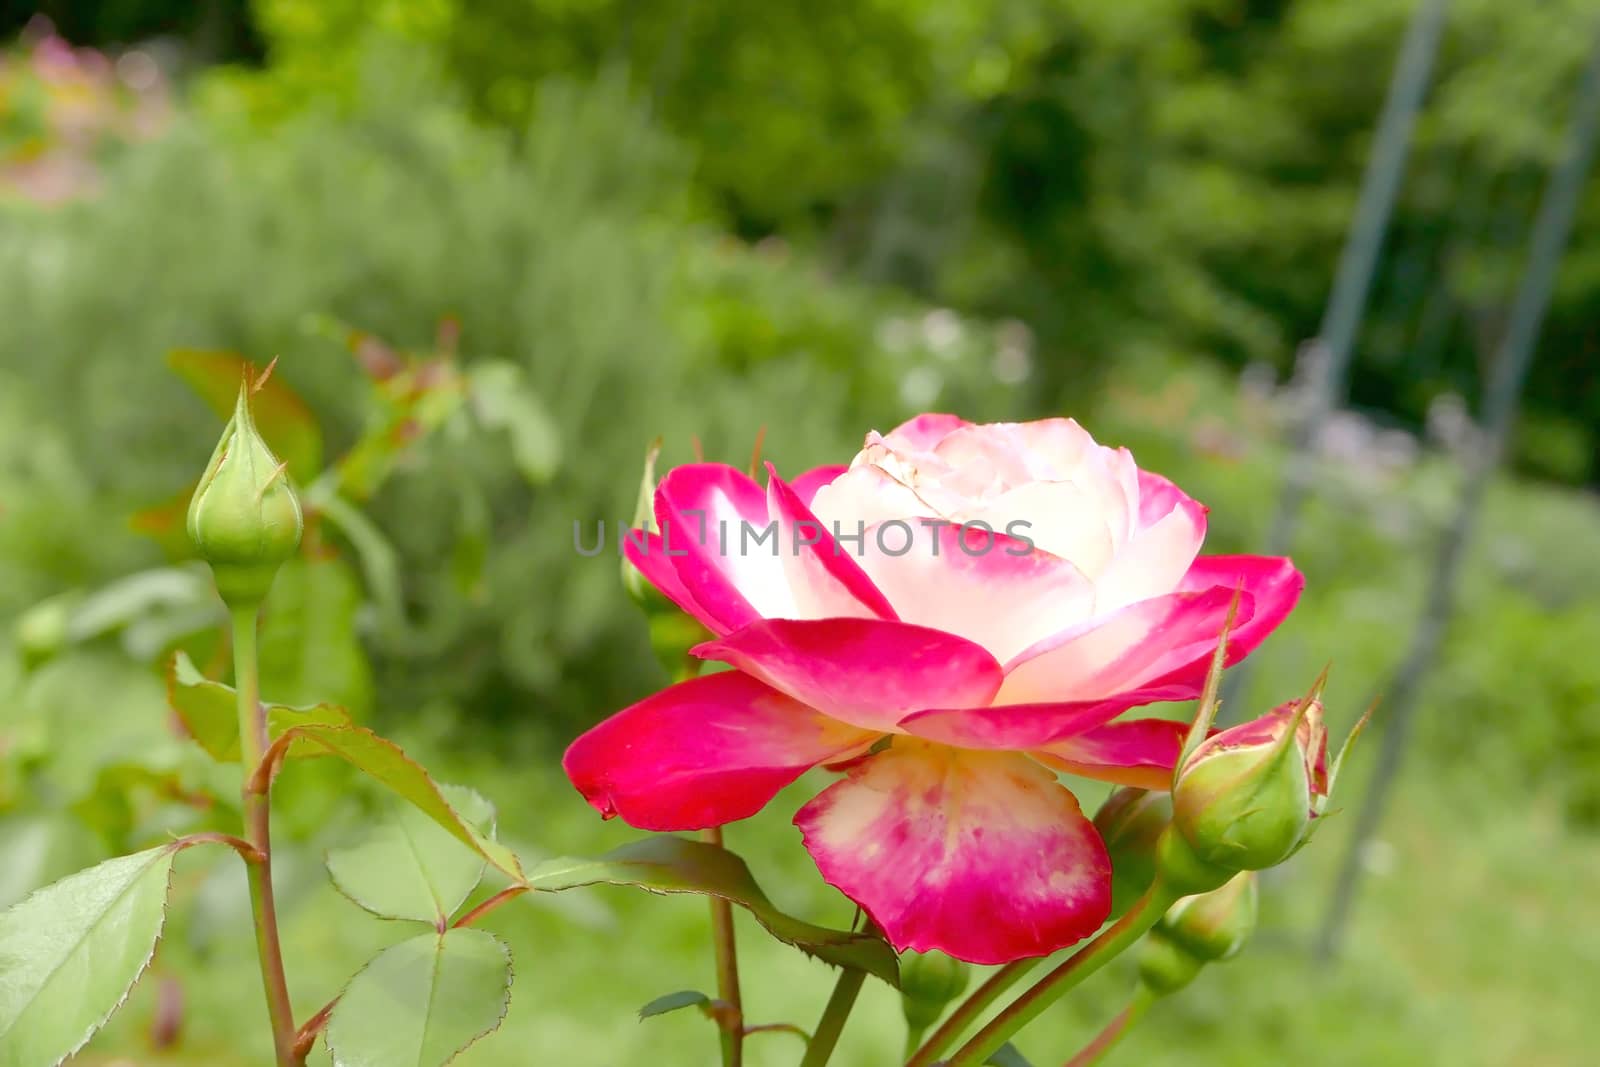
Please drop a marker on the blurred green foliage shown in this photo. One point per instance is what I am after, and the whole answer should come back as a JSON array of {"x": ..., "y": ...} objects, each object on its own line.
[
  {"x": 577, "y": 281},
  {"x": 1181, "y": 172}
]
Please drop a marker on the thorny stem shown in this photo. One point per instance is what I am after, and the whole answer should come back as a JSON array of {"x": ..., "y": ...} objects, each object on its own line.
[
  {"x": 1080, "y": 965},
  {"x": 257, "y": 826},
  {"x": 727, "y": 954},
  {"x": 1114, "y": 1031},
  {"x": 307, "y": 1034},
  {"x": 831, "y": 1025},
  {"x": 968, "y": 1011}
]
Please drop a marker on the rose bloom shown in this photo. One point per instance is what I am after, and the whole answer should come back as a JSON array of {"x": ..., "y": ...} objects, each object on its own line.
[{"x": 948, "y": 672}]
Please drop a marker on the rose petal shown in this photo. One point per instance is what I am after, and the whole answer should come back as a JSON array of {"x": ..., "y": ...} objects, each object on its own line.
[
  {"x": 999, "y": 591},
  {"x": 1127, "y": 473},
  {"x": 865, "y": 495},
  {"x": 649, "y": 553},
  {"x": 1011, "y": 727},
  {"x": 1136, "y": 752},
  {"x": 1056, "y": 447},
  {"x": 980, "y": 855},
  {"x": 1271, "y": 582},
  {"x": 923, "y": 432},
  {"x": 1063, "y": 518},
  {"x": 702, "y": 753},
  {"x": 806, "y": 486},
  {"x": 826, "y": 580},
  {"x": 1155, "y": 559},
  {"x": 1137, "y": 645},
  {"x": 867, "y": 672},
  {"x": 984, "y": 460},
  {"x": 707, "y": 511},
  {"x": 1158, "y": 497}
]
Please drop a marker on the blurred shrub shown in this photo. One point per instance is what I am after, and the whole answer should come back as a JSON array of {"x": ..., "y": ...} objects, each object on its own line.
[
  {"x": 566, "y": 260},
  {"x": 1513, "y": 698},
  {"x": 760, "y": 97}
]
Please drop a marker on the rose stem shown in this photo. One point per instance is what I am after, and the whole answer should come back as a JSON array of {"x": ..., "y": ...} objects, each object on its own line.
[{"x": 257, "y": 826}]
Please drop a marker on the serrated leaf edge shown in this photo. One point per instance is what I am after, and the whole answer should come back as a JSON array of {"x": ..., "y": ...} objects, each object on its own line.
[
  {"x": 505, "y": 1000},
  {"x": 466, "y": 829},
  {"x": 170, "y": 850}
]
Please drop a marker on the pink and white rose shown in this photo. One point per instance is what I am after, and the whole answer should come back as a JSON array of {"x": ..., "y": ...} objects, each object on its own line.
[{"x": 960, "y": 613}]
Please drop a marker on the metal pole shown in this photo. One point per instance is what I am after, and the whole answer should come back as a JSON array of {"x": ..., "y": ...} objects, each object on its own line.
[
  {"x": 1550, "y": 232},
  {"x": 1323, "y": 363}
]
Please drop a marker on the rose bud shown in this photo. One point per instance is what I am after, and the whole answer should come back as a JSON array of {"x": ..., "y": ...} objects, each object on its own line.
[
  {"x": 1164, "y": 966},
  {"x": 1245, "y": 798},
  {"x": 1130, "y": 822},
  {"x": 929, "y": 981},
  {"x": 244, "y": 517},
  {"x": 1214, "y": 926},
  {"x": 672, "y": 632},
  {"x": 642, "y": 529}
]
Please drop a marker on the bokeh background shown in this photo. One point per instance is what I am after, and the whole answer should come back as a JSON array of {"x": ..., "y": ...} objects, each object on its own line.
[{"x": 500, "y": 245}]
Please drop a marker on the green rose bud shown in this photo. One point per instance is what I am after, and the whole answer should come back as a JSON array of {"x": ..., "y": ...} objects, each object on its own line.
[
  {"x": 1245, "y": 798},
  {"x": 1164, "y": 966},
  {"x": 672, "y": 633},
  {"x": 1183, "y": 872},
  {"x": 1214, "y": 926},
  {"x": 928, "y": 984},
  {"x": 644, "y": 518},
  {"x": 1130, "y": 822},
  {"x": 244, "y": 518}
]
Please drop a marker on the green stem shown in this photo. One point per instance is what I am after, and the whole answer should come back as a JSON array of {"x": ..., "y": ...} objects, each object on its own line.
[
  {"x": 257, "y": 827},
  {"x": 727, "y": 955},
  {"x": 914, "y": 1036},
  {"x": 831, "y": 1025},
  {"x": 969, "y": 1010},
  {"x": 1114, "y": 1031},
  {"x": 1080, "y": 965}
]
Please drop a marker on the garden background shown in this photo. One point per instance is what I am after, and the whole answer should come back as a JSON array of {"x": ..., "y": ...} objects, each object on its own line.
[{"x": 501, "y": 245}]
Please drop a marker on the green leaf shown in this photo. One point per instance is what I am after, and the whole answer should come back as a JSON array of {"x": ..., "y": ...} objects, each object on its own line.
[
  {"x": 1007, "y": 1056},
  {"x": 70, "y": 952},
  {"x": 386, "y": 762},
  {"x": 282, "y": 417},
  {"x": 684, "y": 998},
  {"x": 668, "y": 864},
  {"x": 422, "y": 1001},
  {"x": 411, "y": 868},
  {"x": 210, "y": 713}
]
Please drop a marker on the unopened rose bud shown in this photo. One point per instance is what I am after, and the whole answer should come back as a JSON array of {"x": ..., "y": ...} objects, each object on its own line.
[
  {"x": 1245, "y": 798},
  {"x": 1164, "y": 966},
  {"x": 929, "y": 982},
  {"x": 1214, "y": 926},
  {"x": 672, "y": 633},
  {"x": 1130, "y": 822},
  {"x": 244, "y": 518},
  {"x": 644, "y": 518}
]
